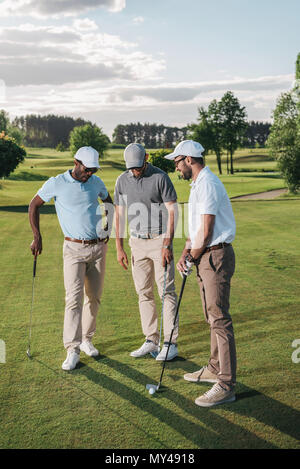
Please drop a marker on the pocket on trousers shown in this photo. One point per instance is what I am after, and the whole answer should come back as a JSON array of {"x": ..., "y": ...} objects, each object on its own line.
[{"x": 216, "y": 260}]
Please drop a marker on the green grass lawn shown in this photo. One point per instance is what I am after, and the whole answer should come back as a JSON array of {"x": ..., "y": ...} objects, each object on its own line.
[{"x": 104, "y": 403}]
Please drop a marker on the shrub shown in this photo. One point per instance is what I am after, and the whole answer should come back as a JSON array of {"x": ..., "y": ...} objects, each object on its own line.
[
  {"x": 157, "y": 158},
  {"x": 60, "y": 147},
  {"x": 11, "y": 155}
]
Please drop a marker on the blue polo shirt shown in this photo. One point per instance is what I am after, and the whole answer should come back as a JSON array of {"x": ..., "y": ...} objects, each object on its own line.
[{"x": 76, "y": 204}]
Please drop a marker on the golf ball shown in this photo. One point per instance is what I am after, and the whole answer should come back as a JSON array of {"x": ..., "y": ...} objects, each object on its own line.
[{"x": 151, "y": 391}]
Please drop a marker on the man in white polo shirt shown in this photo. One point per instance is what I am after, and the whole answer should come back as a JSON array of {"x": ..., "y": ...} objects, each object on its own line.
[
  {"x": 76, "y": 194},
  {"x": 211, "y": 231}
]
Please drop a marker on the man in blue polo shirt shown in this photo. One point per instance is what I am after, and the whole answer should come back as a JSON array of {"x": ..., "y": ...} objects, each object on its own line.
[{"x": 76, "y": 194}]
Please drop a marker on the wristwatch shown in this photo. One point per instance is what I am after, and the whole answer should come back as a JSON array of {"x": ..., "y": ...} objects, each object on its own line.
[{"x": 169, "y": 246}]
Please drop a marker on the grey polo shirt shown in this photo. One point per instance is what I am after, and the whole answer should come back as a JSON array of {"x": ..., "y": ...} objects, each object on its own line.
[{"x": 145, "y": 198}]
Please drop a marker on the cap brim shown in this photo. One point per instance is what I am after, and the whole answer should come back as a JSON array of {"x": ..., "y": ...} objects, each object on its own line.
[
  {"x": 96, "y": 166},
  {"x": 171, "y": 156}
]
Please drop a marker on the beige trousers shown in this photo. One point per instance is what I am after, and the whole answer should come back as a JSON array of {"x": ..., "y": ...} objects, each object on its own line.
[
  {"x": 214, "y": 274},
  {"x": 146, "y": 262},
  {"x": 84, "y": 268}
]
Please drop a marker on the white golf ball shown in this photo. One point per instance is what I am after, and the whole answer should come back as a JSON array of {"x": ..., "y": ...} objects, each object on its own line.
[{"x": 151, "y": 391}]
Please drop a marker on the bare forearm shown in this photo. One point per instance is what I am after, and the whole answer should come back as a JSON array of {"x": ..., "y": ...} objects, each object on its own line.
[
  {"x": 169, "y": 235},
  {"x": 34, "y": 219}
]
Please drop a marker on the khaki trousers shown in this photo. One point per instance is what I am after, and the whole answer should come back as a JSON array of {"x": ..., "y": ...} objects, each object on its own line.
[
  {"x": 84, "y": 268},
  {"x": 214, "y": 274},
  {"x": 146, "y": 262}
]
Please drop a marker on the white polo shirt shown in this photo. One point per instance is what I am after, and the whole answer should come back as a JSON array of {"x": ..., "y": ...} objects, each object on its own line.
[{"x": 208, "y": 196}]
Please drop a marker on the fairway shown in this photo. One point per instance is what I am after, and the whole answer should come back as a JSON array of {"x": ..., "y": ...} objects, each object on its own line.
[{"x": 104, "y": 403}]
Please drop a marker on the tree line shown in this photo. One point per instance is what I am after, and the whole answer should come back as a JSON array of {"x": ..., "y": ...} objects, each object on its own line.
[
  {"x": 150, "y": 135},
  {"x": 47, "y": 131},
  {"x": 54, "y": 131}
]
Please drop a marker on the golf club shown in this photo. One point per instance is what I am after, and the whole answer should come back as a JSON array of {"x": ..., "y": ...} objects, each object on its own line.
[
  {"x": 152, "y": 388},
  {"x": 154, "y": 354},
  {"x": 32, "y": 297}
]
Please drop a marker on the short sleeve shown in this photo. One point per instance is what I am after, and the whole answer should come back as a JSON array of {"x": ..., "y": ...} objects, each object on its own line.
[
  {"x": 118, "y": 196},
  {"x": 207, "y": 198},
  {"x": 168, "y": 193},
  {"x": 47, "y": 191},
  {"x": 102, "y": 191}
]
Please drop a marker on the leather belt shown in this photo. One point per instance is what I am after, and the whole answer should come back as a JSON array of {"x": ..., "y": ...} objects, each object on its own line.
[
  {"x": 217, "y": 246},
  {"x": 85, "y": 241},
  {"x": 145, "y": 236}
]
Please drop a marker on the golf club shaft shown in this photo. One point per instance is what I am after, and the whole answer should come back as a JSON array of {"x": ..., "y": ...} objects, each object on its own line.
[
  {"x": 171, "y": 336},
  {"x": 32, "y": 298}
]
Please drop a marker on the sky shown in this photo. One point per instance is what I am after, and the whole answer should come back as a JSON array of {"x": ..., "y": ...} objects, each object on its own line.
[{"x": 120, "y": 61}]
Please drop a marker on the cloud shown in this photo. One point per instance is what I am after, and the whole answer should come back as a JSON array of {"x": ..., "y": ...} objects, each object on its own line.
[
  {"x": 55, "y": 8},
  {"x": 187, "y": 92},
  {"x": 85, "y": 25},
  {"x": 138, "y": 20},
  {"x": 95, "y": 97},
  {"x": 28, "y": 34},
  {"x": 29, "y": 55}
]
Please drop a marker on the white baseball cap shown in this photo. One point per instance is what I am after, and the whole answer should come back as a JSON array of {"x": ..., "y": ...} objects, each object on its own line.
[
  {"x": 88, "y": 156},
  {"x": 187, "y": 148},
  {"x": 134, "y": 155}
]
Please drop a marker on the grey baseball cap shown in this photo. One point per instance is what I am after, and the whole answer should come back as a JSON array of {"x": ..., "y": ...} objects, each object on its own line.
[{"x": 134, "y": 155}]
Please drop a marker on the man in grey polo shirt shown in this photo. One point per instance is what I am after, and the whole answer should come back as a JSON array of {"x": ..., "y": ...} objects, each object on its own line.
[
  {"x": 76, "y": 194},
  {"x": 150, "y": 198},
  {"x": 211, "y": 231}
]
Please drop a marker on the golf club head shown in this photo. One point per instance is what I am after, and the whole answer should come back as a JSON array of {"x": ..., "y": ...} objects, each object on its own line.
[
  {"x": 152, "y": 386},
  {"x": 28, "y": 353}
]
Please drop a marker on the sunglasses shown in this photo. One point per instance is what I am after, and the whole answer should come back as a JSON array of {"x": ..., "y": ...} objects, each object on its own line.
[
  {"x": 87, "y": 170},
  {"x": 178, "y": 161}
]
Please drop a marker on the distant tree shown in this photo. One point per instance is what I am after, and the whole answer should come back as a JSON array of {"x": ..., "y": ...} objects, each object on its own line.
[
  {"x": 256, "y": 134},
  {"x": 298, "y": 67},
  {"x": 16, "y": 134},
  {"x": 284, "y": 139},
  {"x": 4, "y": 120},
  {"x": 88, "y": 135},
  {"x": 11, "y": 155},
  {"x": 157, "y": 158},
  {"x": 208, "y": 131},
  {"x": 234, "y": 125},
  {"x": 119, "y": 135}
]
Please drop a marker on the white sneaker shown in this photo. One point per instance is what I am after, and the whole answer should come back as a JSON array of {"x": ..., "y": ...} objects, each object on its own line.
[
  {"x": 88, "y": 348},
  {"x": 71, "y": 361},
  {"x": 173, "y": 352},
  {"x": 147, "y": 347}
]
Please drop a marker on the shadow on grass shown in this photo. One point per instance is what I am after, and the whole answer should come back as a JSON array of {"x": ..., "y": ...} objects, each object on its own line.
[
  {"x": 45, "y": 209},
  {"x": 113, "y": 164},
  {"x": 213, "y": 430},
  {"x": 219, "y": 432},
  {"x": 26, "y": 176},
  {"x": 261, "y": 175},
  {"x": 67, "y": 378}
]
